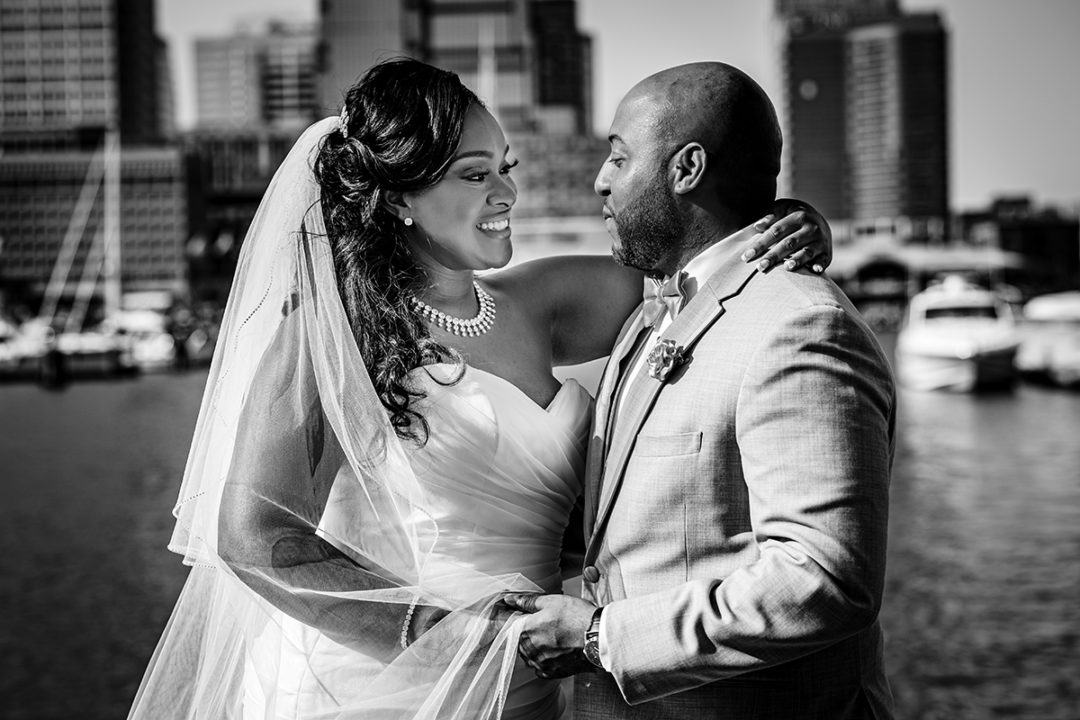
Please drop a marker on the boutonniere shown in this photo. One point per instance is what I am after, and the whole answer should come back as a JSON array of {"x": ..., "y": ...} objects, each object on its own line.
[{"x": 665, "y": 357}]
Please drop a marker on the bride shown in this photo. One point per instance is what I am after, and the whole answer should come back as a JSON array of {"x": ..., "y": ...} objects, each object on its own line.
[{"x": 382, "y": 450}]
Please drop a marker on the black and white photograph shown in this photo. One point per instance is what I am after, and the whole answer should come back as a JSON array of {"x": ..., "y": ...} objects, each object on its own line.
[{"x": 539, "y": 360}]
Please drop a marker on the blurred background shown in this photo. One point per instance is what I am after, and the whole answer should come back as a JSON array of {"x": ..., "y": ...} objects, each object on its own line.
[{"x": 938, "y": 137}]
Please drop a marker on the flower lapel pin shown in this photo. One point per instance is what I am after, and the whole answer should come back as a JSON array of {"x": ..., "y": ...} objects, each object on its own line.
[{"x": 665, "y": 357}]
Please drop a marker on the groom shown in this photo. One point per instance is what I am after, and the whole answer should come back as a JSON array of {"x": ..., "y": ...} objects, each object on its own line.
[{"x": 737, "y": 478}]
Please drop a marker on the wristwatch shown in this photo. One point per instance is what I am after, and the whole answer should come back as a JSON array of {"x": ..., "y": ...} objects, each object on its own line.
[{"x": 592, "y": 639}]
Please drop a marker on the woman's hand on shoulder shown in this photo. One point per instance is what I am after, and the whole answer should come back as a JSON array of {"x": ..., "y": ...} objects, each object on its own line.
[{"x": 793, "y": 233}]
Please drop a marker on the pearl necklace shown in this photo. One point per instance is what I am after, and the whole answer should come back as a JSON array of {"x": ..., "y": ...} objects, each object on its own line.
[{"x": 467, "y": 328}]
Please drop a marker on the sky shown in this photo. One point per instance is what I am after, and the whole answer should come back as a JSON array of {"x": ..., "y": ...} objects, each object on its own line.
[{"x": 1014, "y": 95}]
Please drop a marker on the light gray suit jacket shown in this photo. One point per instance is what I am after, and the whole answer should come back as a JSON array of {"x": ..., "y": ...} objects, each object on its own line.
[{"x": 736, "y": 525}]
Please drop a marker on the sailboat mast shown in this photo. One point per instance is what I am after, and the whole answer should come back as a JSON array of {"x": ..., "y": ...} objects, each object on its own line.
[{"x": 112, "y": 222}]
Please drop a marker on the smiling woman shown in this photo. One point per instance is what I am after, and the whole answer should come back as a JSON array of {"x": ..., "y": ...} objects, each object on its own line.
[
  {"x": 383, "y": 451},
  {"x": 463, "y": 221}
]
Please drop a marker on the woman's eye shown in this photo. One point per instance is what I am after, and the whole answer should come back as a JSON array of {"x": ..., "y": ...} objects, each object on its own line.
[
  {"x": 509, "y": 166},
  {"x": 477, "y": 176}
]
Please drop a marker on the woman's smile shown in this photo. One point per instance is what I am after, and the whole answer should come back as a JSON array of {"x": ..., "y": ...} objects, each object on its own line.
[{"x": 496, "y": 228}]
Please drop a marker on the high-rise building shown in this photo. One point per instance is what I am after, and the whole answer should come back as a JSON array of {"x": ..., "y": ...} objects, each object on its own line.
[
  {"x": 490, "y": 47},
  {"x": 896, "y": 119},
  {"x": 166, "y": 93},
  {"x": 257, "y": 77},
  {"x": 525, "y": 58},
  {"x": 82, "y": 89},
  {"x": 563, "y": 67},
  {"x": 355, "y": 34},
  {"x": 71, "y": 68},
  {"x": 257, "y": 89},
  {"x": 835, "y": 13},
  {"x": 864, "y": 110},
  {"x": 815, "y": 139}
]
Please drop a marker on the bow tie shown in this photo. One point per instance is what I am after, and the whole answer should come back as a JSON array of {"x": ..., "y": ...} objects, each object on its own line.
[{"x": 663, "y": 297}]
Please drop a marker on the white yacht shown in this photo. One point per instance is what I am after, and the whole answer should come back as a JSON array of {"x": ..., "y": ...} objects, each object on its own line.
[
  {"x": 957, "y": 336},
  {"x": 1050, "y": 350}
]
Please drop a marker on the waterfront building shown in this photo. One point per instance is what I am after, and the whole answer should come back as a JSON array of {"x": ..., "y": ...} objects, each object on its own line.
[
  {"x": 897, "y": 119},
  {"x": 258, "y": 76},
  {"x": 864, "y": 110},
  {"x": 70, "y": 68},
  {"x": 813, "y": 104},
  {"x": 1047, "y": 238},
  {"x": 39, "y": 196},
  {"x": 356, "y": 34},
  {"x": 257, "y": 89},
  {"x": 230, "y": 169},
  {"x": 563, "y": 68},
  {"x": 835, "y": 13},
  {"x": 84, "y": 105},
  {"x": 525, "y": 58},
  {"x": 166, "y": 92}
]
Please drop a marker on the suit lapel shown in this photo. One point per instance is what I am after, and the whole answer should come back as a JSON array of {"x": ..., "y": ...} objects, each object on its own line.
[
  {"x": 594, "y": 462},
  {"x": 697, "y": 317}
]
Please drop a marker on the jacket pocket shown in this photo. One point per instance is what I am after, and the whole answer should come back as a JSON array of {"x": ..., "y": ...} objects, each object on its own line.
[{"x": 668, "y": 445}]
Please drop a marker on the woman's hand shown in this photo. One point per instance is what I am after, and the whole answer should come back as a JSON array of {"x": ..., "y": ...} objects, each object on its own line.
[
  {"x": 424, "y": 618},
  {"x": 793, "y": 233}
]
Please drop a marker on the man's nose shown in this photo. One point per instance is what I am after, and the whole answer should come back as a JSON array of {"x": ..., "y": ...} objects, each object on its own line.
[{"x": 601, "y": 185}]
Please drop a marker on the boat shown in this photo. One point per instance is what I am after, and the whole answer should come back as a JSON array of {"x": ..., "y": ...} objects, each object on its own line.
[
  {"x": 20, "y": 352},
  {"x": 957, "y": 336},
  {"x": 152, "y": 346},
  {"x": 1050, "y": 348}
]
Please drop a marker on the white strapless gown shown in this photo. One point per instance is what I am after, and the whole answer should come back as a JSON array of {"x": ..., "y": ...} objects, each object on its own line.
[{"x": 501, "y": 475}]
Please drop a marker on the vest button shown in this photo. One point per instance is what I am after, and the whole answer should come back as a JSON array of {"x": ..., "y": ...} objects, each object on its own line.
[{"x": 591, "y": 574}]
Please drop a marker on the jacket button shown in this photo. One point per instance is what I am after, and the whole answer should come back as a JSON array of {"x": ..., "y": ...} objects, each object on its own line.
[{"x": 591, "y": 574}]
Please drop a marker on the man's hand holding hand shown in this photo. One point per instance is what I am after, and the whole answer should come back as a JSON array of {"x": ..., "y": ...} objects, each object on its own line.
[{"x": 553, "y": 633}]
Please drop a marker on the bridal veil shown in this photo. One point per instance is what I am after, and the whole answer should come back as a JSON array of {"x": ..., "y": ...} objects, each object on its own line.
[{"x": 291, "y": 429}]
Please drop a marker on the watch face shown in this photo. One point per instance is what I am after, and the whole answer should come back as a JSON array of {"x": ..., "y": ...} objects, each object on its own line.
[{"x": 592, "y": 653}]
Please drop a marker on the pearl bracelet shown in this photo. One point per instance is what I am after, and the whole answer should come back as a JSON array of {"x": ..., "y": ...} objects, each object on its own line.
[{"x": 408, "y": 621}]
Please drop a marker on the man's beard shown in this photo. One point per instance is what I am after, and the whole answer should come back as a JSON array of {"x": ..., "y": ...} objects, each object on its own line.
[{"x": 650, "y": 227}]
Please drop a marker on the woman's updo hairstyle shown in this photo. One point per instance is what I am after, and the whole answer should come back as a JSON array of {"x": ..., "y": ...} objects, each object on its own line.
[{"x": 404, "y": 121}]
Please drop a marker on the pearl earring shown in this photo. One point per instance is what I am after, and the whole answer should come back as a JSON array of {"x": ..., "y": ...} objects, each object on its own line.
[{"x": 408, "y": 222}]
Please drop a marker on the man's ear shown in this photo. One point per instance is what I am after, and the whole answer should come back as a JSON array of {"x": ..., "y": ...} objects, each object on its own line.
[
  {"x": 397, "y": 204},
  {"x": 689, "y": 165}
]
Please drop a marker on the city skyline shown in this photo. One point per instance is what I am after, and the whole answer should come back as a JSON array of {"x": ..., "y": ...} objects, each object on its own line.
[{"x": 1011, "y": 119}]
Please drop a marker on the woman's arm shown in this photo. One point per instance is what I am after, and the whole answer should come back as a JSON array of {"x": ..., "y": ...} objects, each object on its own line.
[
  {"x": 588, "y": 297},
  {"x": 284, "y": 464}
]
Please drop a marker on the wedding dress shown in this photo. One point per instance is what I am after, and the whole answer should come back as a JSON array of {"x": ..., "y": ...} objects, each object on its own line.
[
  {"x": 291, "y": 426},
  {"x": 502, "y": 475}
]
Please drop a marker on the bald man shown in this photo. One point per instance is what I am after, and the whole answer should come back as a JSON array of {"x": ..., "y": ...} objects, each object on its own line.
[{"x": 737, "y": 481}]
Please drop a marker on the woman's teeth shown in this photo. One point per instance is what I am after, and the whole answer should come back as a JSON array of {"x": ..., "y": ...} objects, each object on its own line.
[{"x": 495, "y": 226}]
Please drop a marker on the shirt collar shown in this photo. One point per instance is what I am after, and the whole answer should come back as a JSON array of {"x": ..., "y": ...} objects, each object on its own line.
[{"x": 702, "y": 266}]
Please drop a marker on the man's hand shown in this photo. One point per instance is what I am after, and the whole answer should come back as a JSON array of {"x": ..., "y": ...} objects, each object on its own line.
[
  {"x": 553, "y": 634},
  {"x": 793, "y": 233}
]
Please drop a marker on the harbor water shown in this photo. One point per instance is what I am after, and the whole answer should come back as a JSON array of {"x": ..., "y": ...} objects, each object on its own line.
[{"x": 982, "y": 610}]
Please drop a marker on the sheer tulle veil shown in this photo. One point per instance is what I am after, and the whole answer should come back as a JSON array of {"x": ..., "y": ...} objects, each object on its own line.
[{"x": 287, "y": 370}]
